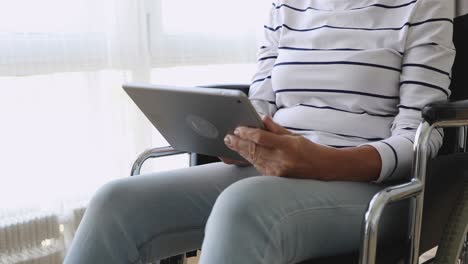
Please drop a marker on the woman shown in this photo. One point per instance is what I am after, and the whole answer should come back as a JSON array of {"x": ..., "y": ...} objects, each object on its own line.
[{"x": 341, "y": 84}]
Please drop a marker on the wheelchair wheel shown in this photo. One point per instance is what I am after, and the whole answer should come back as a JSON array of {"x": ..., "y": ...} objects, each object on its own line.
[{"x": 453, "y": 248}]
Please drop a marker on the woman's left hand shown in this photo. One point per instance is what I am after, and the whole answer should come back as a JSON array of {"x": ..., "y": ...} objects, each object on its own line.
[{"x": 275, "y": 151}]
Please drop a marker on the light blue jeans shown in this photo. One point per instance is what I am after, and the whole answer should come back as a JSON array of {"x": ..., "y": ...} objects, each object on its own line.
[{"x": 238, "y": 216}]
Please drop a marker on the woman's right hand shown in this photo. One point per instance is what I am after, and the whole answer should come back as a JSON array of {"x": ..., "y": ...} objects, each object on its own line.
[{"x": 238, "y": 163}]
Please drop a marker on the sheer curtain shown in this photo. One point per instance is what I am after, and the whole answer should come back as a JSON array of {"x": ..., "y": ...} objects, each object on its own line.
[
  {"x": 205, "y": 31},
  {"x": 66, "y": 127}
]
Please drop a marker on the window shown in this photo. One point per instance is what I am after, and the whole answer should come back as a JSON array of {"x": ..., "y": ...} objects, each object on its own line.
[
  {"x": 67, "y": 127},
  {"x": 46, "y": 36},
  {"x": 205, "y": 31}
]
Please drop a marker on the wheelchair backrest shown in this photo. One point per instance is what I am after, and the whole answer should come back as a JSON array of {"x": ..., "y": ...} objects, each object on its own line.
[{"x": 459, "y": 85}]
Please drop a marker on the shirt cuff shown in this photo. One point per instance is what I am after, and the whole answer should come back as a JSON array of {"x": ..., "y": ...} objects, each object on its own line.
[{"x": 396, "y": 154}]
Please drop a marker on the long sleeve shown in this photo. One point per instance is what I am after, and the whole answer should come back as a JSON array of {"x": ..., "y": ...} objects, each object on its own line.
[
  {"x": 261, "y": 93},
  {"x": 425, "y": 78}
]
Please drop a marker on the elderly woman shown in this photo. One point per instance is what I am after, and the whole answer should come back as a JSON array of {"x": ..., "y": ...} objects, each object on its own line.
[{"x": 341, "y": 84}]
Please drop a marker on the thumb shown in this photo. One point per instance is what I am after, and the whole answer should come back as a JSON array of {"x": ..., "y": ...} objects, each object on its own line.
[{"x": 274, "y": 127}]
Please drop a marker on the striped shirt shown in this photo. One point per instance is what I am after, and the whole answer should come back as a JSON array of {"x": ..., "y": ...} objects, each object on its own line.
[{"x": 347, "y": 73}]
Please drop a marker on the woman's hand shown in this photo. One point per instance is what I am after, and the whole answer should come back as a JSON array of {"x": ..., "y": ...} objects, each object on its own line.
[
  {"x": 278, "y": 152},
  {"x": 275, "y": 151}
]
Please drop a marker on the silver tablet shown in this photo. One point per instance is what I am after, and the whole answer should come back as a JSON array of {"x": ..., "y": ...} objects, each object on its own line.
[{"x": 195, "y": 119}]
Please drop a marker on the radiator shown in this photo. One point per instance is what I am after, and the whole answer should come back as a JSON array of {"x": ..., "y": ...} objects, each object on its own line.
[{"x": 37, "y": 238}]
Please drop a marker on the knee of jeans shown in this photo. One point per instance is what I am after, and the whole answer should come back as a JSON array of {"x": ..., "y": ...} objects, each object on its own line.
[
  {"x": 241, "y": 205},
  {"x": 110, "y": 199}
]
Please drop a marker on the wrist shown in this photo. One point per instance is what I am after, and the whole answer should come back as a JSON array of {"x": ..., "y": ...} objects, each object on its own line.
[
  {"x": 346, "y": 164},
  {"x": 318, "y": 162},
  {"x": 359, "y": 163}
]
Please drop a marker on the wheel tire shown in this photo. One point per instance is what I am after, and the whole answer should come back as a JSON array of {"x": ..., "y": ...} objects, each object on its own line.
[{"x": 453, "y": 239}]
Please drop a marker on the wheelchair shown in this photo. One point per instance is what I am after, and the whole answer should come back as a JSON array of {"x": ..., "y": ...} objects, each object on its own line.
[{"x": 437, "y": 190}]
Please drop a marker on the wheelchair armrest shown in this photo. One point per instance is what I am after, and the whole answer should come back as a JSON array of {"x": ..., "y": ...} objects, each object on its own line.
[
  {"x": 446, "y": 111},
  {"x": 241, "y": 87},
  {"x": 151, "y": 154},
  {"x": 370, "y": 224}
]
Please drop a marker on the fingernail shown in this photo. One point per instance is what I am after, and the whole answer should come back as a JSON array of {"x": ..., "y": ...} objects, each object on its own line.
[
  {"x": 236, "y": 132},
  {"x": 227, "y": 140}
]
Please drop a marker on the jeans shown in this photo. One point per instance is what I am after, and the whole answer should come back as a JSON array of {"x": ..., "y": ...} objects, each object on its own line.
[{"x": 230, "y": 212}]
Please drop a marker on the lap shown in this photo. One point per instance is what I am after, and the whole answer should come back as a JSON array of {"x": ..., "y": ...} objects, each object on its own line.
[{"x": 303, "y": 218}]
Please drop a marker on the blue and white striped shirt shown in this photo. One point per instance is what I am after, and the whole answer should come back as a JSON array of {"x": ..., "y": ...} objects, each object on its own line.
[{"x": 347, "y": 73}]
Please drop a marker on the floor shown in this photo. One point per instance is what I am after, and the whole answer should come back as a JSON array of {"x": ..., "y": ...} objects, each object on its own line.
[
  {"x": 428, "y": 255},
  {"x": 192, "y": 260}
]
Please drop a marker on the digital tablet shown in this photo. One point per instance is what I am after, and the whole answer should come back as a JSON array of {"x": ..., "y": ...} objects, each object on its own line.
[{"x": 195, "y": 119}]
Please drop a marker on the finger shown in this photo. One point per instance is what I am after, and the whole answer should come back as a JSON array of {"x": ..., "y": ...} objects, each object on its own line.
[
  {"x": 233, "y": 142},
  {"x": 260, "y": 137},
  {"x": 263, "y": 159},
  {"x": 274, "y": 127},
  {"x": 246, "y": 148}
]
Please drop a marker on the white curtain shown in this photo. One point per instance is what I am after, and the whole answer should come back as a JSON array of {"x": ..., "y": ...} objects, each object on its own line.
[
  {"x": 205, "y": 31},
  {"x": 39, "y": 37},
  {"x": 66, "y": 126}
]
